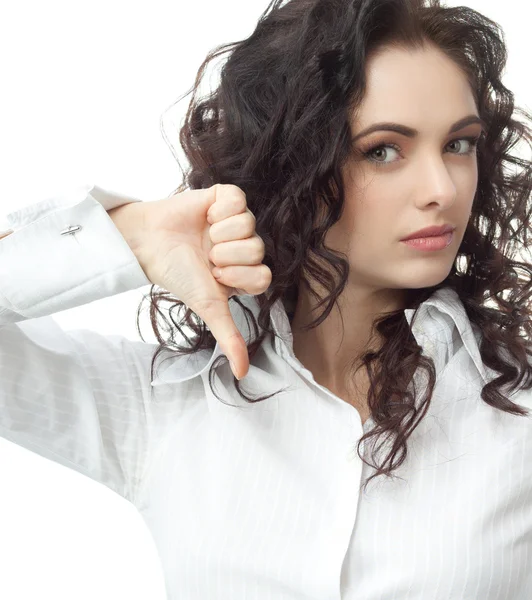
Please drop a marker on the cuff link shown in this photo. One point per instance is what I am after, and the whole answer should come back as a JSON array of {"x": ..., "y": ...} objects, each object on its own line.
[{"x": 71, "y": 229}]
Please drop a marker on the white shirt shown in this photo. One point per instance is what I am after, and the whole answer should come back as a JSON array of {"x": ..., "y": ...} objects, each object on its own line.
[{"x": 261, "y": 502}]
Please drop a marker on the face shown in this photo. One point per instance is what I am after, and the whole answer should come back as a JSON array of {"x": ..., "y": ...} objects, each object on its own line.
[{"x": 397, "y": 184}]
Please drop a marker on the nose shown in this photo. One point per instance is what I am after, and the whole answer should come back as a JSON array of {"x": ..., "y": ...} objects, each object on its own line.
[{"x": 437, "y": 185}]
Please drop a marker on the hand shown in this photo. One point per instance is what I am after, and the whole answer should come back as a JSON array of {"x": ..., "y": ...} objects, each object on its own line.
[{"x": 185, "y": 237}]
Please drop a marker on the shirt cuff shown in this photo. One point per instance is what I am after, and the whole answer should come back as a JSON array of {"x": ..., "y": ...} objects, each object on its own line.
[{"x": 44, "y": 271}]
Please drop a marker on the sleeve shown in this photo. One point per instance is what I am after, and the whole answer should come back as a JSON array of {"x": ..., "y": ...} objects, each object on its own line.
[
  {"x": 79, "y": 398},
  {"x": 64, "y": 251}
]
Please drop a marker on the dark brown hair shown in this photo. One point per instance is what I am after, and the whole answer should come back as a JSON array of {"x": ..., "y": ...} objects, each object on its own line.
[{"x": 278, "y": 127}]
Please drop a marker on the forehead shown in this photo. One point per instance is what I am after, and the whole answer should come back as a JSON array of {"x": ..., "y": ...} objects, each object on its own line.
[{"x": 422, "y": 88}]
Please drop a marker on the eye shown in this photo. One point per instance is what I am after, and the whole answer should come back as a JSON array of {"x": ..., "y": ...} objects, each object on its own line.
[
  {"x": 381, "y": 149},
  {"x": 385, "y": 148},
  {"x": 472, "y": 141}
]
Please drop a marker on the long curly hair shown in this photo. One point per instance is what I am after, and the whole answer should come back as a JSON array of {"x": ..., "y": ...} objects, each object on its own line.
[{"x": 277, "y": 126}]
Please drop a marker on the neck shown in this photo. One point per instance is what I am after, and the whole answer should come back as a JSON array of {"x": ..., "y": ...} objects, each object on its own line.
[{"x": 333, "y": 348}]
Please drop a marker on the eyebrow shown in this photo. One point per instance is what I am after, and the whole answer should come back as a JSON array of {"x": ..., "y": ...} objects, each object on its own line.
[{"x": 410, "y": 132}]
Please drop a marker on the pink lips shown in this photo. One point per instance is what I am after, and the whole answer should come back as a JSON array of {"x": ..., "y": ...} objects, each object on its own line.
[
  {"x": 431, "y": 243},
  {"x": 433, "y": 231}
]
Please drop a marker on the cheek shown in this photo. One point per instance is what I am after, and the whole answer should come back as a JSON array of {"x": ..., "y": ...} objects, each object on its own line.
[
  {"x": 366, "y": 215},
  {"x": 466, "y": 182},
  {"x": 473, "y": 184},
  {"x": 361, "y": 231},
  {"x": 370, "y": 215}
]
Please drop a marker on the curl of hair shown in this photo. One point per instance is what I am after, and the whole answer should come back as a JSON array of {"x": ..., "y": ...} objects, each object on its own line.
[{"x": 278, "y": 127}]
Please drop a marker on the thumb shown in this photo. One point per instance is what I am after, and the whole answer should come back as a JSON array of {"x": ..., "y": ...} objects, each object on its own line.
[{"x": 219, "y": 319}]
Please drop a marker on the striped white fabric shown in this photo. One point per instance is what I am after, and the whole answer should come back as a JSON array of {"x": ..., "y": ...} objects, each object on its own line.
[{"x": 260, "y": 501}]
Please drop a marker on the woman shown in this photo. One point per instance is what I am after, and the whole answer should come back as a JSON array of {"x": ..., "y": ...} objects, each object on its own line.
[{"x": 340, "y": 330}]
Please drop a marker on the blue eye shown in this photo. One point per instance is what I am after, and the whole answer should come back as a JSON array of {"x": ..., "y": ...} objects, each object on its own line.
[{"x": 473, "y": 142}]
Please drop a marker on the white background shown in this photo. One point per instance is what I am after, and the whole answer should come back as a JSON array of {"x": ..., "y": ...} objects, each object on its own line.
[{"x": 84, "y": 88}]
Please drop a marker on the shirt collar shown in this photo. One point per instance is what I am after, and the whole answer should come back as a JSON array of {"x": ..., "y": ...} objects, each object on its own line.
[{"x": 438, "y": 319}]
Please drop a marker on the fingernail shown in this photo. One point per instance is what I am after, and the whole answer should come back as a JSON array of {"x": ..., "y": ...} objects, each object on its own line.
[{"x": 234, "y": 370}]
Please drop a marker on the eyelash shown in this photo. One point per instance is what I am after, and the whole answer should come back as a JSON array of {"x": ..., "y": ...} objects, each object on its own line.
[{"x": 472, "y": 140}]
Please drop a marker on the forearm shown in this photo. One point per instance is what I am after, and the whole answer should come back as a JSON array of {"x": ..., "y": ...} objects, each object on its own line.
[
  {"x": 128, "y": 219},
  {"x": 64, "y": 271}
]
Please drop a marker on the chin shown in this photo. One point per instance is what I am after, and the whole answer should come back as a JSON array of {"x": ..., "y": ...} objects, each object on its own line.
[{"x": 425, "y": 280}]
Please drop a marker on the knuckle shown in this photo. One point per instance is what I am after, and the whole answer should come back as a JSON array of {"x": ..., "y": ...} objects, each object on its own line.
[
  {"x": 229, "y": 192},
  {"x": 213, "y": 255},
  {"x": 257, "y": 254},
  {"x": 239, "y": 203},
  {"x": 260, "y": 246},
  {"x": 219, "y": 190},
  {"x": 266, "y": 278},
  {"x": 213, "y": 233},
  {"x": 231, "y": 188},
  {"x": 249, "y": 225}
]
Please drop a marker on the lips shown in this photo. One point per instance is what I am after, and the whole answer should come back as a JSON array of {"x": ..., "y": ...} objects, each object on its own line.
[{"x": 433, "y": 231}]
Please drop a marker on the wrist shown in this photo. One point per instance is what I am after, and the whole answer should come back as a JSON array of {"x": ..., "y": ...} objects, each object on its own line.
[{"x": 130, "y": 221}]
